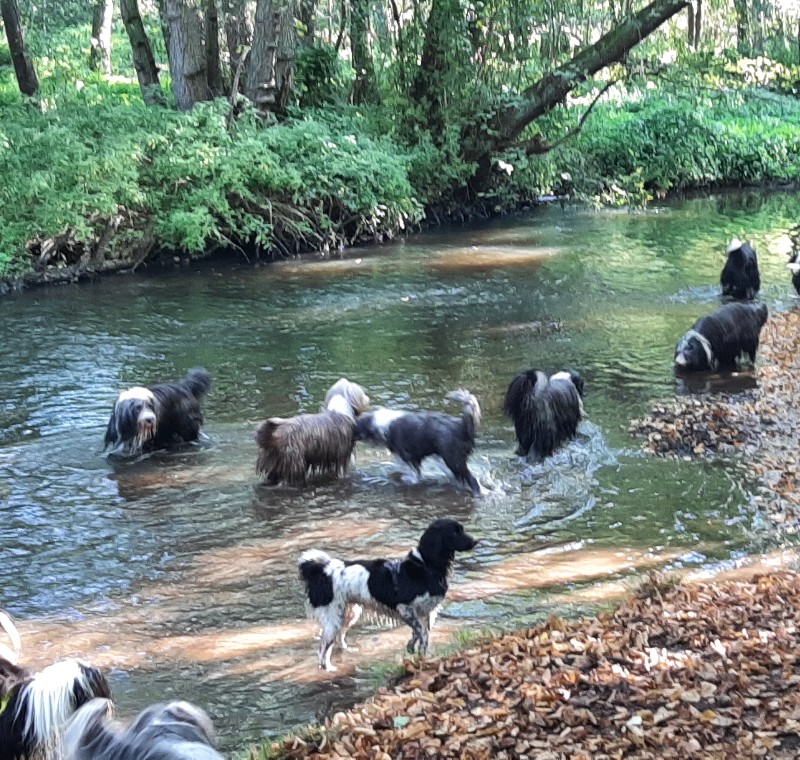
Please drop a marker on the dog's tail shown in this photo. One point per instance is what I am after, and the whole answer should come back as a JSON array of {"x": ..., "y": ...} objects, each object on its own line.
[
  {"x": 522, "y": 390},
  {"x": 7, "y": 624},
  {"x": 198, "y": 381},
  {"x": 471, "y": 408}
]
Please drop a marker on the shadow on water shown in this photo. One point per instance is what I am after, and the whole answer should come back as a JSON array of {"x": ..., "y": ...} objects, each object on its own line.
[{"x": 177, "y": 571}]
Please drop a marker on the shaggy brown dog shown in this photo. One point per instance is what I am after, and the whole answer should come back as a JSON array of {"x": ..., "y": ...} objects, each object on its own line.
[{"x": 292, "y": 448}]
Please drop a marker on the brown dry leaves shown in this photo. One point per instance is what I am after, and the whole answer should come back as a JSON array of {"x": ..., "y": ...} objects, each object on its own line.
[
  {"x": 763, "y": 424},
  {"x": 701, "y": 672}
]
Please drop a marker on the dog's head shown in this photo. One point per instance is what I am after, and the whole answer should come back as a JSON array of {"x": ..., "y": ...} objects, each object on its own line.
[
  {"x": 762, "y": 313},
  {"x": 181, "y": 718},
  {"x": 135, "y": 418},
  {"x": 693, "y": 354},
  {"x": 442, "y": 540},
  {"x": 346, "y": 398}
]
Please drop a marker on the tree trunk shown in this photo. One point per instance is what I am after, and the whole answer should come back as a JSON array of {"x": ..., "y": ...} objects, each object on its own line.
[
  {"x": 187, "y": 57},
  {"x": 143, "y": 60},
  {"x": 742, "y": 27},
  {"x": 23, "y": 64},
  {"x": 365, "y": 90},
  {"x": 698, "y": 24},
  {"x": 213, "y": 63},
  {"x": 238, "y": 33},
  {"x": 541, "y": 97},
  {"x": 270, "y": 68},
  {"x": 100, "y": 57},
  {"x": 439, "y": 50}
]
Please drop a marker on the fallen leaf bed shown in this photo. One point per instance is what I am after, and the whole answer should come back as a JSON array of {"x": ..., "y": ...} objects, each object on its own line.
[
  {"x": 763, "y": 424},
  {"x": 695, "y": 671}
]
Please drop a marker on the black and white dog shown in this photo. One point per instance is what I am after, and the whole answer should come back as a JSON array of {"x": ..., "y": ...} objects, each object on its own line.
[
  {"x": 740, "y": 278},
  {"x": 717, "y": 340},
  {"x": 413, "y": 436},
  {"x": 794, "y": 265},
  {"x": 174, "y": 731},
  {"x": 34, "y": 707},
  {"x": 410, "y": 590},
  {"x": 545, "y": 410},
  {"x": 289, "y": 448},
  {"x": 148, "y": 419}
]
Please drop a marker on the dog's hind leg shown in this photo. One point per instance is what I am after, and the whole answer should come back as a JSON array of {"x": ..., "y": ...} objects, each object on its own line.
[
  {"x": 462, "y": 472},
  {"x": 351, "y": 617}
]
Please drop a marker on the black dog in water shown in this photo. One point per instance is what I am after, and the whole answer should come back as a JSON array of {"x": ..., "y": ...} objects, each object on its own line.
[
  {"x": 409, "y": 590},
  {"x": 717, "y": 340},
  {"x": 740, "y": 278},
  {"x": 545, "y": 410},
  {"x": 148, "y": 419}
]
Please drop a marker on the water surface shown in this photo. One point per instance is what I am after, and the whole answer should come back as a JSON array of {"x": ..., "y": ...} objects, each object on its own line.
[{"x": 177, "y": 572}]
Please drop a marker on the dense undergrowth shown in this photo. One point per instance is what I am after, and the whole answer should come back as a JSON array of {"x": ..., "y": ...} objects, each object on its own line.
[{"x": 90, "y": 173}]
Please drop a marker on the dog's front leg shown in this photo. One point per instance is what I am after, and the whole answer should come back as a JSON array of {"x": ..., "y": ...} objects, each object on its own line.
[{"x": 419, "y": 636}]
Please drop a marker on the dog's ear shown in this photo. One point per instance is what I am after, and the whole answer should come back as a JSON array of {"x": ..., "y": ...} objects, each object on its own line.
[{"x": 431, "y": 546}]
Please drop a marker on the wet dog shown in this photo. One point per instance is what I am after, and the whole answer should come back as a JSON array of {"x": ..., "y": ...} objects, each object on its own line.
[
  {"x": 174, "y": 731},
  {"x": 794, "y": 259},
  {"x": 291, "y": 448},
  {"x": 545, "y": 410},
  {"x": 740, "y": 278},
  {"x": 152, "y": 418},
  {"x": 410, "y": 590},
  {"x": 718, "y": 340},
  {"x": 413, "y": 436},
  {"x": 34, "y": 707}
]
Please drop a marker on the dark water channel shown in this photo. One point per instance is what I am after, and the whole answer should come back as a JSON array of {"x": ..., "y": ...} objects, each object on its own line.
[{"x": 177, "y": 572}]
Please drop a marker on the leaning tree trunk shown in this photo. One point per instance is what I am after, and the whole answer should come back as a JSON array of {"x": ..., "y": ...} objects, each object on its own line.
[
  {"x": 100, "y": 56},
  {"x": 143, "y": 59},
  {"x": 213, "y": 64},
  {"x": 238, "y": 35},
  {"x": 23, "y": 64},
  {"x": 543, "y": 96},
  {"x": 270, "y": 67},
  {"x": 365, "y": 89},
  {"x": 187, "y": 56}
]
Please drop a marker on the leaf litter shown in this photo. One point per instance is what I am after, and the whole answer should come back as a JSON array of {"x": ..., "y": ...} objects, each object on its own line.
[{"x": 689, "y": 671}]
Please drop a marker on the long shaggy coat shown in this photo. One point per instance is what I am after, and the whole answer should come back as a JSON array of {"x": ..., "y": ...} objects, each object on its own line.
[
  {"x": 292, "y": 448},
  {"x": 717, "y": 340},
  {"x": 740, "y": 278},
  {"x": 545, "y": 410}
]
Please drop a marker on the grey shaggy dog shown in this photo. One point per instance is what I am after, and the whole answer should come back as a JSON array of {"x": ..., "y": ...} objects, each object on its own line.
[
  {"x": 292, "y": 448},
  {"x": 174, "y": 731}
]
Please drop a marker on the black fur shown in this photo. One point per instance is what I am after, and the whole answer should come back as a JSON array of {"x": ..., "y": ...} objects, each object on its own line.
[
  {"x": 16, "y": 740},
  {"x": 175, "y": 408},
  {"x": 410, "y": 589},
  {"x": 545, "y": 410},
  {"x": 740, "y": 278},
  {"x": 413, "y": 436},
  {"x": 174, "y": 731},
  {"x": 732, "y": 330},
  {"x": 794, "y": 264}
]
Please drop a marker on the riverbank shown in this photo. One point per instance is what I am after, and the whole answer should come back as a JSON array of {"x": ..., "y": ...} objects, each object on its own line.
[
  {"x": 155, "y": 184},
  {"x": 759, "y": 427},
  {"x": 699, "y": 670}
]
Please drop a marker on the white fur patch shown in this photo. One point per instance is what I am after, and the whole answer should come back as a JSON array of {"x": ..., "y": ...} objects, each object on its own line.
[
  {"x": 341, "y": 405},
  {"x": 794, "y": 268},
  {"x": 703, "y": 341},
  {"x": 560, "y": 376},
  {"x": 137, "y": 392},
  {"x": 382, "y": 417},
  {"x": 734, "y": 245},
  {"x": 50, "y": 699}
]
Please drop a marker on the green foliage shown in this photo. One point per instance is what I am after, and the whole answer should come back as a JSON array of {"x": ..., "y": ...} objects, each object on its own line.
[{"x": 322, "y": 77}]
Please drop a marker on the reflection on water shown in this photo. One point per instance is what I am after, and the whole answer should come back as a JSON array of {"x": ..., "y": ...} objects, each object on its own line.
[{"x": 177, "y": 571}]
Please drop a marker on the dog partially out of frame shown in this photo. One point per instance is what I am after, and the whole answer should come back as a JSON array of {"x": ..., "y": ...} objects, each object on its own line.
[
  {"x": 174, "y": 731},
  {"x": 409, "y": 590},
  {"x": 413, "y": 436},
  {"x": 293, "y": 447},
  {"x": 34, "y": 707},
  {"x": 156, "y": 417},
  {"x": 545, "y": 410}
]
